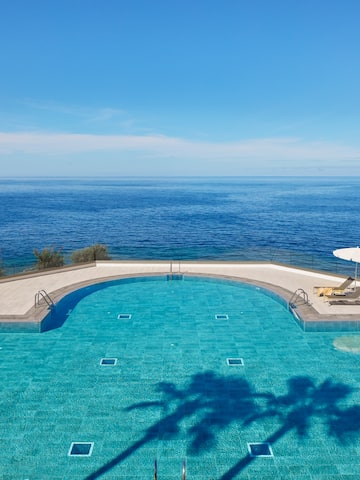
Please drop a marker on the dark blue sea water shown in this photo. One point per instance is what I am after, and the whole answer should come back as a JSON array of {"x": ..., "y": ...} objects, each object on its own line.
[{"x": 298, "y": 220}]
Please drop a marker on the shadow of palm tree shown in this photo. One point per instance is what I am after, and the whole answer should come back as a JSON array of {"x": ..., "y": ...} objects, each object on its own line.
[
  {"x": 297, "y": 410},
  {"x": 214, "y": 402}
]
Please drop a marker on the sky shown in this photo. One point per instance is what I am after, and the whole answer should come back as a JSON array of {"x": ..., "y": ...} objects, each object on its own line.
[{"x": 179, "y": 87}]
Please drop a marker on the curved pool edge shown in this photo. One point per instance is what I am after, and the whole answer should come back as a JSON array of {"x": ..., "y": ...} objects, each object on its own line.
[
  {"x": 271, "y": 277},
  {"x": 280, "y": 295}
]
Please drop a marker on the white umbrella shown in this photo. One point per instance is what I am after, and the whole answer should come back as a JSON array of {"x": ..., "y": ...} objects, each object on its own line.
[{"x": 352, "y": 254}]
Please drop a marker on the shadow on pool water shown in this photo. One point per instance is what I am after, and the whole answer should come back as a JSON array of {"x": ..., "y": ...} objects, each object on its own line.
[{"x": 217, "y": 402}]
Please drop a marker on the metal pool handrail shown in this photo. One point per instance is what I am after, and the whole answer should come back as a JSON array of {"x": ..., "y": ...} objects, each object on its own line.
[
  {"x": 183, "y": 470},
  {"x": 43, "y": 294},
  {"x": 299, "y": 293}
]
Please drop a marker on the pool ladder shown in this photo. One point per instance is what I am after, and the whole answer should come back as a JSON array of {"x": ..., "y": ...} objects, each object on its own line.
[
  {"x": 42, "y": 294},
  {"x": 298, "y": 294},
  {"x": 183, "y": 471},
  {"x": 175, "y": 275}
]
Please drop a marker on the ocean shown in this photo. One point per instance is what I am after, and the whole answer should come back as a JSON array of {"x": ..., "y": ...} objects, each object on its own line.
[{"x": 295, "y": 220}]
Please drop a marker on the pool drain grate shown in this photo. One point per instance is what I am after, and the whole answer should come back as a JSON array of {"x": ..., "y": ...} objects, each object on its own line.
[
  {"x": 81, "y": 449},
  {"x": 124, "y": 316},
  {"x": 235, "y": 362},
  {"x": 261, "y": 449},
  {"x": 108, "y": 361}
]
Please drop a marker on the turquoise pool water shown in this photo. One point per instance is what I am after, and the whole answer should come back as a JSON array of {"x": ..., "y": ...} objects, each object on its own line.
[{"x": 171, "y": 394}]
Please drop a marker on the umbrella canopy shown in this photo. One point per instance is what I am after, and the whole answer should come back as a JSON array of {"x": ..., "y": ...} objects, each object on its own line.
[{"x": 352, "y": 254}]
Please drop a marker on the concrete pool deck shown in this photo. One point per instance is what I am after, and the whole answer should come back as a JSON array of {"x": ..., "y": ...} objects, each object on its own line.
[{"x": 17, "y": 293}]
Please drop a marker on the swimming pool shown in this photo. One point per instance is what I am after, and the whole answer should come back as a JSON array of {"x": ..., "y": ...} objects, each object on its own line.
[{"x": 172, "y": 391}]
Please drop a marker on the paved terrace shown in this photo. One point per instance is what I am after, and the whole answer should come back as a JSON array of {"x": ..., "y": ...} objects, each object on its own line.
[{"x": 17, "y": 294}]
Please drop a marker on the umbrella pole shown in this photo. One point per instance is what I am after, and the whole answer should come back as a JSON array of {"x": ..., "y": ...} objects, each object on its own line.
[{"x": 356, "y": 269}]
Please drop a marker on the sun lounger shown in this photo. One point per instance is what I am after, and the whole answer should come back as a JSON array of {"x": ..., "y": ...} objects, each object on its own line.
[
  {"x": 344, "y": 302},
  {"x": 349, "y": 298},
  {"x": 328, "y": 291}
]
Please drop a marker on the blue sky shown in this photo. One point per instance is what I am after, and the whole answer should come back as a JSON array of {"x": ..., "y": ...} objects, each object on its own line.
[{"x": 180, "y": 87}]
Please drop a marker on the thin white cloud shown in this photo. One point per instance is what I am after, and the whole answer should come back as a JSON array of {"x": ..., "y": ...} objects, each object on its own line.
[
  {"x": 278, "y": 149},
  {"x": 105, "y": 114},
  {"x": 85, "y": 113}
]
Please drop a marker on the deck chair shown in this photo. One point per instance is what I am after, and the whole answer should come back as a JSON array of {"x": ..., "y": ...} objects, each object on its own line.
[
  {"x": 350, "y": 298},
  {"x": 328, "y": 291}
]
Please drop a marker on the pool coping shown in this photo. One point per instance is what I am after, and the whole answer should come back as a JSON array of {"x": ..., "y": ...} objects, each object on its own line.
[{"x": 306, "y": 314}]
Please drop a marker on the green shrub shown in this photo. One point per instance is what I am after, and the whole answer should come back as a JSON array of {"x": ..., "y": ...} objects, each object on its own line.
[
  {"x": 49, "y": 258},
  {"x": 90, "y": 254}
]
